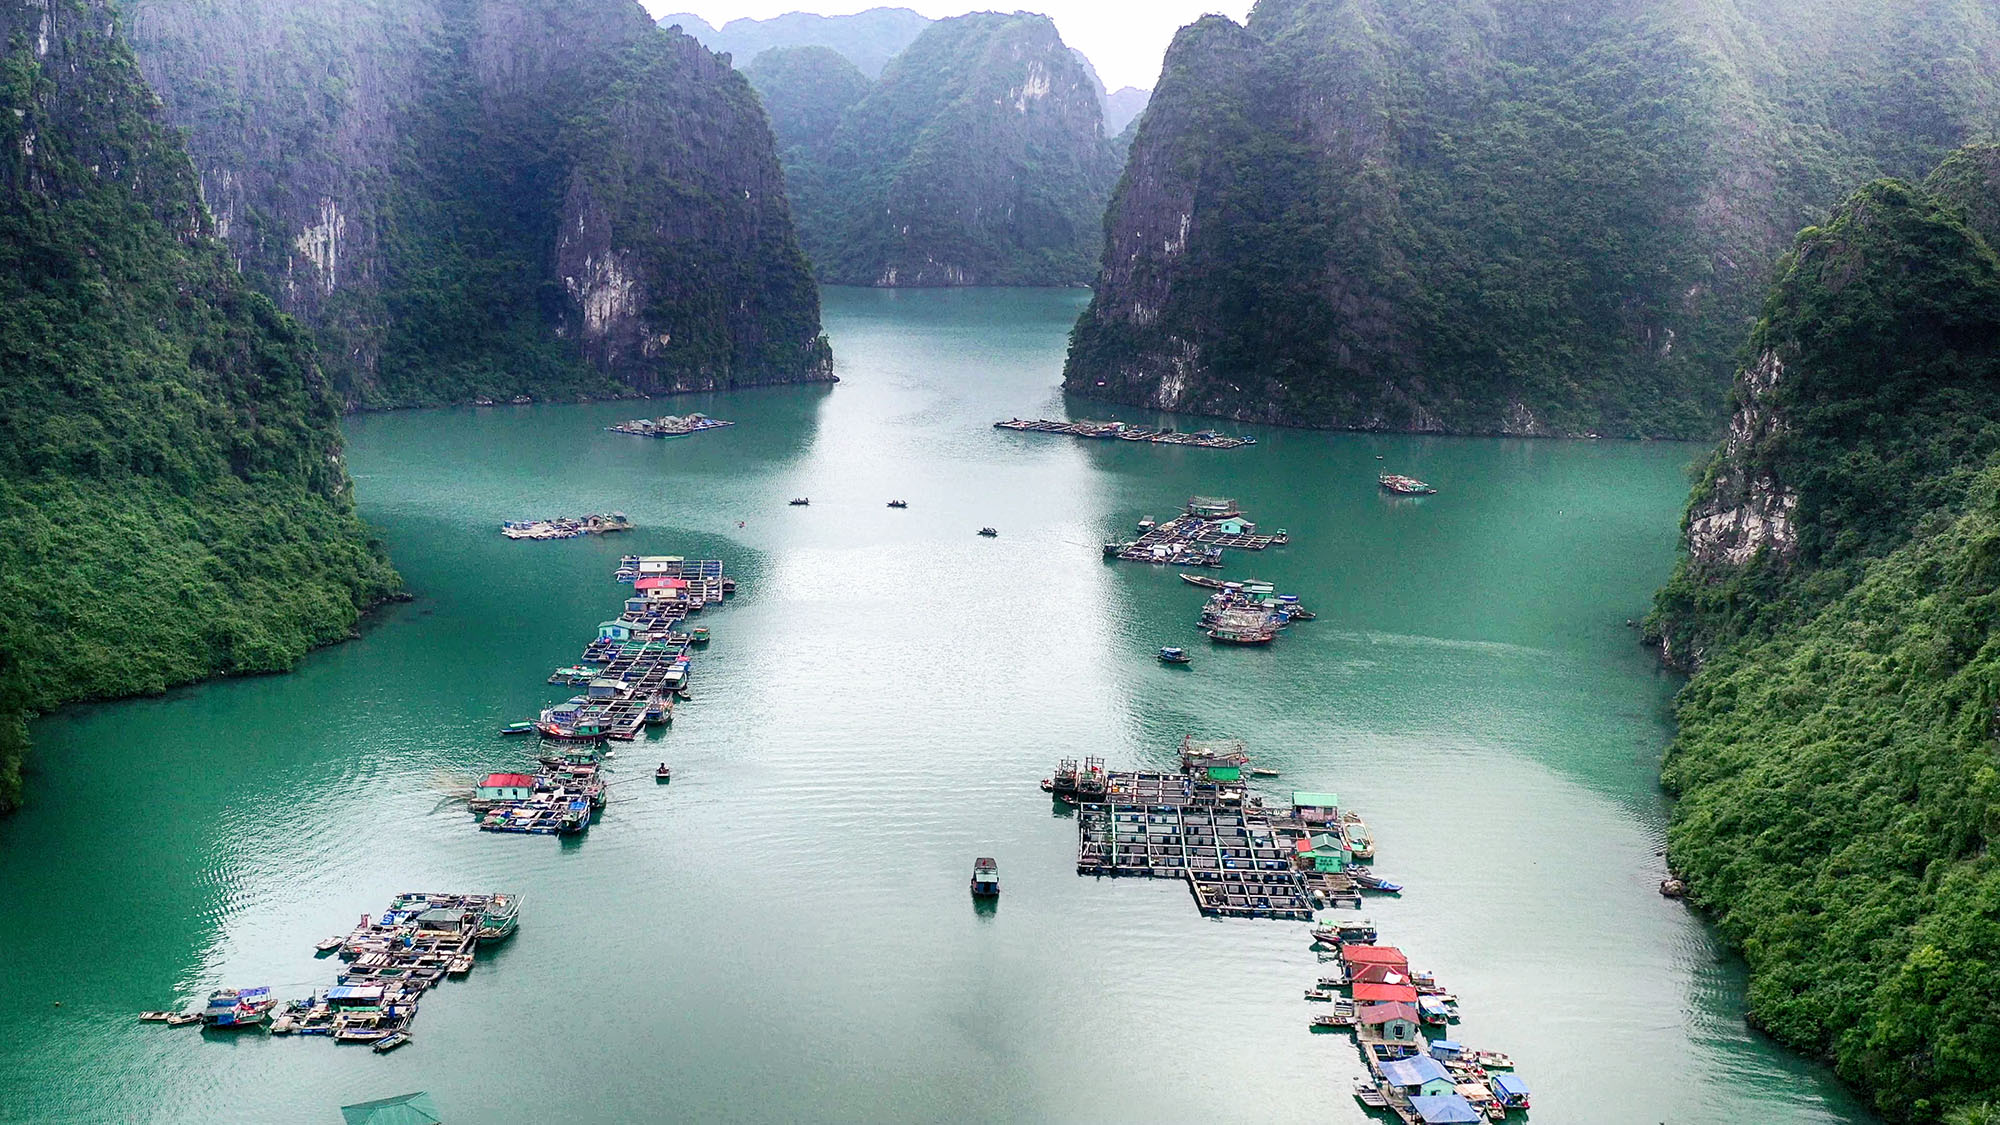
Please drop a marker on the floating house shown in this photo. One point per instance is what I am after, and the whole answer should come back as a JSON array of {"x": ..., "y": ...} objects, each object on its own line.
[
  {"x": 505, "y": 787},
  {"x": 354, "y": 996},
  {"x": 1511, "y": 1091},
  {"x": 1379, "y": 974},
  {"x": 1384, "y": 994},
  {"x": 1420, "y": 1076},
  {"x": 660, "y": 589},
  {"x": 1316, "y": 808},
  {"x": 1217, "y": 769},
  {"x": 403, "y": 1109},
  {"x": 1393, "y": 1023},
  {"x": 1443, "y": 1109},
  {"x": 441, "y": 919},
  {"x": 1446, "y": 1049},
  {"x": 1212, "y": 508},
  {"x": 616, "y": 630},
  {"x": 1323, "y": 851},
  {"x": 1374, "y": 955}
]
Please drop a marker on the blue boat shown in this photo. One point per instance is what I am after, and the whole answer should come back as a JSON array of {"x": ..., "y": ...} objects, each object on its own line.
[{"x": 1175, "y": 656}]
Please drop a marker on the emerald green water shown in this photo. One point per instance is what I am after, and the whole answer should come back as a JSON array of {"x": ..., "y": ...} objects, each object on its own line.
[{"x": 784, "y": 932}]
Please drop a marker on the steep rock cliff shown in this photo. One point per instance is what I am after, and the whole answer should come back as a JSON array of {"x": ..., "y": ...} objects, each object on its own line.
[
  {"x": 1835, "y": 768},
  {"x": 1510, "y": 216},
  {"x": 979, "y": 158},
  {"x": 172, "y": 499},
  {"x": 491, "y": 197}
]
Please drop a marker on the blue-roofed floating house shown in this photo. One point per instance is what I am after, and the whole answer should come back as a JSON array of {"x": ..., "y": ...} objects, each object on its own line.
[
  {"x": 1418, "y": 1076},
  {"x": 1511, "y": 1091},
  {"x": 1443, "y": 1109}
]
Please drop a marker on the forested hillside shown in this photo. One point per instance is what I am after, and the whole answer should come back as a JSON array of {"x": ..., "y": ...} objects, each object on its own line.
[
  {"x": 484, "y": 198},
  {"x": 172, "y": 499},
  {"x": 1505, "y": 216},
  {"x": 1836, "y": 771},
  {"x": 979, "y": 158}
]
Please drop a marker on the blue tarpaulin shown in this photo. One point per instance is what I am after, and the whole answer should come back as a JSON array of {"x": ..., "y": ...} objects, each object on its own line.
[
  {"x": 1509, "y": 1086},
  {"x": 1413, "y": 1071},
  {"x": 1444, "y": 1109},
  {"x": 1447, "y": 1049}
]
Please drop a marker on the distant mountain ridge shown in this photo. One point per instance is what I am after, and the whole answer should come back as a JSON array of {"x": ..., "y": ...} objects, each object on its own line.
[
  {"x": 1534, "y": 217},
  {"x": 485, "y": 198},
  {"x": 978, "y": 158},
  {"x": 867, "y": 39}
]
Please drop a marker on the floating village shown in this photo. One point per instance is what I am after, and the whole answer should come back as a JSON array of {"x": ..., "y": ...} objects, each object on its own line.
[
  {"x": 567, "y": 527},
  {"x": 1120, "y": 431},
  {"x": 1242, "y": 858},
  {"x": 1242, "y": 855},
  {"x": 632, "y": 673},
  {"x": 669, "y": 426},
  {"x": 392, "y": 960}
]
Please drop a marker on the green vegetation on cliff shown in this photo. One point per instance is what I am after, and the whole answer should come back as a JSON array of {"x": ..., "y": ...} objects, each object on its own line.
[
  {"x": 1837, "y": 769},
  {"x": 1519, "y": 216},
  {"x": 484, "y": 198},
  {"x": 979, "y": 158},
  {"x": 172, "y": 501}
]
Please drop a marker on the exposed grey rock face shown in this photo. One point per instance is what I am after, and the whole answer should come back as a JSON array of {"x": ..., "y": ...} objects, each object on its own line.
[
  {"x": 1747, "y": 509},
  {"x": 469, "y": 197}
]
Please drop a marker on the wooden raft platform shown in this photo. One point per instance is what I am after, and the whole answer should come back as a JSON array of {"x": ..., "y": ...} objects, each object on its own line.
[{"x": 1172, "y": 826}]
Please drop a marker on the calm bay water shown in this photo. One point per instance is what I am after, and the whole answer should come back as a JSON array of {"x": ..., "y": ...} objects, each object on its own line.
[{"x": 784, "y": 932}]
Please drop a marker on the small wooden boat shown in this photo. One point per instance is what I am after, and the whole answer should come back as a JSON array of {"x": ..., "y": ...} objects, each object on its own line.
[
  {"x": 1259, "y": 772},
  {"x": 801, "y": 501},
  {"x": 1368, "y": 881},
  {"x": 1492, "y": 1060},
  {"x": 1334, "y": 1021},
  {"x": 663, "y": 773},
  {"x": 899, "y": 503},
  {"x": 1368, "y": 1093},
  {"x": 155, "y": 1017},
  {"x": 1147, "y": 524},
  {"x": 1203, "y": 581},
  {"x": 328, "y": 945},
  {"x": 1319, "y": 994},
  {"x": 182, "y": 1019},
  {"x": 1175, "y": 656},
  {"x": 518, "y": 728},
  {"x": 391, "y": 1041},
  {"x": 985, "y": 878},
  {"x": 989, "y": 533}
]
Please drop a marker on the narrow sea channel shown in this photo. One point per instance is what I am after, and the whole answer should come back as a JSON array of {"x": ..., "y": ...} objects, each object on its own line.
[{"x": 784, "y": 932}]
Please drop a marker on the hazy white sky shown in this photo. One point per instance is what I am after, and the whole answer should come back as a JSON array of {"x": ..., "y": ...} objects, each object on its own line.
[{"x": 1125, "y": 39}]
